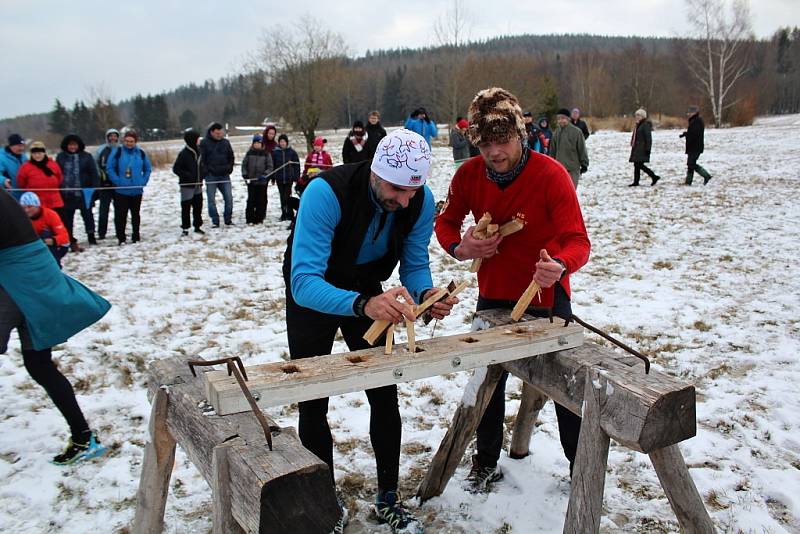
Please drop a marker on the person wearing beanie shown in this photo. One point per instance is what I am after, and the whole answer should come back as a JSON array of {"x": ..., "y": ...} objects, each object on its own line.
[
  {"x": 546, "y": 134},
  {"x": 694, "y": 135},
  {"x": 458, "y": 140},
  {"x": 105, "y": 195},
  {"x": 81, "y": 177},
  {"x": 535, "y": 138},
  {"x": 510, "y": 181},
  {"x": 641, "y": 145},
  {"x": 12, "y": 156},
  {"x": 355, "y": 224},
  {"x": 256, "y": 171},
  {"x": 217, "y": 155},
  {"x": 189, "y": 168},
  {"x": 568, "y": 147},
  {"x": 286, "y": 163},
  {"x": 317, "y": 161},
  {"x": 42, "y": 175},
  {"x": 375, "y": 131},
  {"x": 420, "y": 122},
  {"x": 47, "y": 225},
  {"x": 46, "y": 308},
  {"x": 129, "y": 170},
  {"x": 578, "y": 122},
  {"x": 354, "y": 148}
]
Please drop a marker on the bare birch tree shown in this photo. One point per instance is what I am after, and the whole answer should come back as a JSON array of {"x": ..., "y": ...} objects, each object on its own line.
[
  {"x": 452, "y": 30},
  {"x": 305, "y": 64},
  {"x": 717, "y": 57}
]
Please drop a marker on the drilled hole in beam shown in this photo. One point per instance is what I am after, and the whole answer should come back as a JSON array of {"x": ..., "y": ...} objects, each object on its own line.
[
  {"x": 289, "y": 369},
  {"x": 520, "y": 330},
  {"x": 469, "y": 340},
  {"x": 356, "y": 359},
  {"x": 419, "y": 349}
]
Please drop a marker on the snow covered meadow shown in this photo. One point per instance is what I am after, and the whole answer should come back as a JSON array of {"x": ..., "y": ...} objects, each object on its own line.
[{"x": 705, "y": 280}]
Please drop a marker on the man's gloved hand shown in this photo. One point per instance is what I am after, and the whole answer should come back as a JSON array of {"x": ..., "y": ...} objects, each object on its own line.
[
  {"x": 584, "y": 168},
  {"x": 682, "y": 135}
]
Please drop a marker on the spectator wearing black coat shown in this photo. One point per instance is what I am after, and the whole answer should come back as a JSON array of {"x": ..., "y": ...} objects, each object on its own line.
[
  {"x": 578, "y": 122},
  {"x": 218, "y": 158},
  {"x": 641, "y": 144},
  {"x": 354, "y": 148},
  {"x": 81, "y": 177},
  {"x": 256, "y": 171},
  {"x": 375, "y": 131},
  {"x": 287, "y": 171},
  {"x": 694, "y": 135},
  {"x": 190, "y": 170}
]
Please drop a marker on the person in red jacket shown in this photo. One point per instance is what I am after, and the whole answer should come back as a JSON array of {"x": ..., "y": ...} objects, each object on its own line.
[
  {"x": 510, "y": 181},
  {"x": 42, "y": 175},
  {"x": 318, "y": 160},
  {"x": 47, "y": 225}
]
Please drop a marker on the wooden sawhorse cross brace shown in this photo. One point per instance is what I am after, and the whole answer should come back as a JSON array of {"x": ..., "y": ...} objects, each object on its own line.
[{"x": 647, "y": 413}]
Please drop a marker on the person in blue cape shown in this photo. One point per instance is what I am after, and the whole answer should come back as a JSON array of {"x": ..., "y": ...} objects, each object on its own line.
[{"x": 45, "y": 307}]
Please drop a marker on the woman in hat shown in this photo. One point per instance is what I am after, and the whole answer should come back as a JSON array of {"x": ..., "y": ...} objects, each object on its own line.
[
  {"x": 641, "y": 143},
  {"x": 43, "y": 176}
]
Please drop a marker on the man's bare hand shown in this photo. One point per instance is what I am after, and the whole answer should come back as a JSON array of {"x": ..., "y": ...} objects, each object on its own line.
[
  {"x": 7, "y": 183},
  {"x": 548, "y": 271},
  {"x": 386, "y": 307},
  {"x": 471, "y": 247},
  {"x": 441, "y": 309}
]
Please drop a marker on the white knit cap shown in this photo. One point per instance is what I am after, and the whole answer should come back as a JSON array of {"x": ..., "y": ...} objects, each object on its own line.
[{"x": 402, "y": 158}]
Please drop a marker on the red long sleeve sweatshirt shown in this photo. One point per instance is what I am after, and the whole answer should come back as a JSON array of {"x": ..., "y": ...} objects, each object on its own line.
[{"x": 544, "y": 198}]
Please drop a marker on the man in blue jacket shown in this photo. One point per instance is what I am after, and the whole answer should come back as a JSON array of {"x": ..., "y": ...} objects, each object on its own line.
[
  {"x": 11, "y": 159},
  {"x": 421, "y": 123},
  {"x": 217, "y": 154},
  {"x": 129, "y": 170},
  {"x": 355, "y": 224},
  {"x": 80, "y": 179}
]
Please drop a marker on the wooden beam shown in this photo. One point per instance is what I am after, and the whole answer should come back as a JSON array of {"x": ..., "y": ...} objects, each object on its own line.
[
  {"x": 283, "y": 383},
  {"x": 477, "y": 395},
  {"x": 681, "y": 491},
  {"x": 271, "y": 491},
  {"x": 586, "y": 496},
  {"x": 532, "y": 401},
  {"x": 159, "y": 459}
]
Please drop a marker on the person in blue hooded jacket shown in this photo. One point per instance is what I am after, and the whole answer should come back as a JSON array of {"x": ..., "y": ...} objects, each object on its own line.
[
  {"x": 45, "y": 307},
  {"x": 12, "y": 156},
  {"x": 420, "y": 122},
  {"x": 128, "y": 169}
]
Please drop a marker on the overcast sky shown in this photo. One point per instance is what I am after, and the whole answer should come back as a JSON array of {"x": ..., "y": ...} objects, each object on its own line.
[{"x": 55, "y": 49}]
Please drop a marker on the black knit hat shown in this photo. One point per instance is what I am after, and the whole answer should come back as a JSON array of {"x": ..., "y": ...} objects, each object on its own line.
[
  {"x": 564, "y": 111},
  {"x": 283, "y": 137}
]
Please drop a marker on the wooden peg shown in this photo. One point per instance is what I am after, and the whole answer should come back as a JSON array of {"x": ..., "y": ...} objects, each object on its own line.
[{"x": 524, "y": 301}]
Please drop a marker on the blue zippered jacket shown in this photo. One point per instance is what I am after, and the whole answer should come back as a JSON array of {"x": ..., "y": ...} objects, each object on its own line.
[
  {"x": 426, "y": 129},
  {"x": 9, "y": 167},
  {"x": 316, "y": 223},
  {"x": 123, "y": 159}
]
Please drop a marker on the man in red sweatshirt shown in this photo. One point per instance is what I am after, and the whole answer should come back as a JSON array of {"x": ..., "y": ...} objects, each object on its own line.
[
  {"x": 47, "y": 225},
  {"x": 509, "y": 181}
]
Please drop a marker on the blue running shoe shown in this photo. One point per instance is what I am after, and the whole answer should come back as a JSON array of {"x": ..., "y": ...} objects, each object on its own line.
[
  {"x": 77, "y": 452},
  {"x": 391, "y": 511}
]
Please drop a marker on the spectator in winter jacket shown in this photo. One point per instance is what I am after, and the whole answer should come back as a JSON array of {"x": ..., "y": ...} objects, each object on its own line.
[
  {"x": 317, "y": 161},
  {"x": 510, "y": 181},
  {"x": 256, "y": 171},
  {"x": 354, "y": 148},
  {"x": 129, "y": 170},
  {"x": 355, "y": 225},
  {"x": 11, "y": 159},
  {"x": 189, "y": 168},
  {"x": 43, "y": 176},
  {"x": 106, "y": 194},
  {"x": 547, "y": 134},
  {"x": 420, "y": 122},
  {"x": 218, "y": 158},
  {"x": 80, "y": 179},
  {"x": 641, "y": 143},
  {"x": 375, "y": 132},
  {"x": 268, "y": 138},
  {"x": 533, "y": 134},
  {"x": 45, "y": 307},
  {"x": 694, "y": 145},
  {"x": 287, "y": 171},
  {"x": 47, "y": 225},
  {"x": 458, "y": 140},
  {"x": 569, "y": 147},
  {"x": 577, "y": 121}
]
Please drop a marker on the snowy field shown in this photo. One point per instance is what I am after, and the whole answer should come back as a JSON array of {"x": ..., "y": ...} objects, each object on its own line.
[{"x": 705, "y": 280}]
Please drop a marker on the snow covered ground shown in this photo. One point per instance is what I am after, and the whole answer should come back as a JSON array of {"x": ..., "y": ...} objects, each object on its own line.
[{"x": 705, "y": 280}]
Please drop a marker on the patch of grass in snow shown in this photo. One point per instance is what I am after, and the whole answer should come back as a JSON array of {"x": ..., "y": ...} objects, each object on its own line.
[
  {"x": 428, "y": 391},
  {"x": 348, "y": 445},
  {"x": 700, "y": 325},
  {"x": 660, "y": 265},
  {"x": 416, "y": 447},
  {"x": 353, "y": 484},
  {"x": 714, "y": 500}
]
